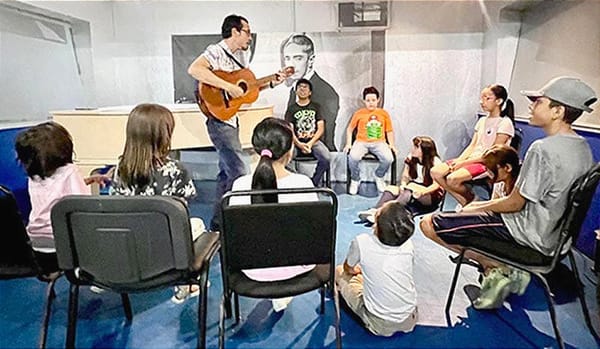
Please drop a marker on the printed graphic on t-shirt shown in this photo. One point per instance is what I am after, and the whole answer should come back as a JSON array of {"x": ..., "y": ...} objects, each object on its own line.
[
  {"x": 306, "y": 123},
  {"x": 374, "y": 128}
]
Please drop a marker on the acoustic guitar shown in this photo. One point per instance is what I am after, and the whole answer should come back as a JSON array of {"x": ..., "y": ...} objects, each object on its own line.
[{"x": 216, "y": 102}]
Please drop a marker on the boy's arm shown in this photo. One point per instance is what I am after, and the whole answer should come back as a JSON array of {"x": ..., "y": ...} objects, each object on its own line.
[
  {"x": 318, "y": 134},
  {"x": 391, "y": 141},
  {"x": 349, "y": 130},
  {"x": 351, "y": 270},
  {"x": 512, "y": 203}
]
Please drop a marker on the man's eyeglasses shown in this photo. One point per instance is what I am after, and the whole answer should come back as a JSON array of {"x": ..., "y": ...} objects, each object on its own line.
[{"x": 247, "y": 31}]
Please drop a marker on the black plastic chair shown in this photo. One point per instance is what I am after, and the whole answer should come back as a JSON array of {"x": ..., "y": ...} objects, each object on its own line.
[
  {"x": 372, "y": 158},
  {"x": 130, "y": 244},
  {"x": 17, "y": 259},
  {"x": 534, "y": 262},
  {"x": 302, "y": 157},
  {"x": 262, "y": 235}
]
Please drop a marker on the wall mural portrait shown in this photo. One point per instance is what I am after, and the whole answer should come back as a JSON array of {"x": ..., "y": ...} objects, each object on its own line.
[{"x": 337, "y": 64}]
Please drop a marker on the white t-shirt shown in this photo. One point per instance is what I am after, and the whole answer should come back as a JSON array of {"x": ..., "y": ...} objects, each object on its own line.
[
  {"x": 487, "y": 129},
  {"x": 550, "y": 168},
  {"x": 389, "y": 289},
  {"x": 293, "y": 180}
]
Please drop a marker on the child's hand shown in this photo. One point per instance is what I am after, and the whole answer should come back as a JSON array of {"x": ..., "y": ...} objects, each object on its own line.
[
  {"x": 101, "y": 179},
  {"x": 347, "y": 148}
]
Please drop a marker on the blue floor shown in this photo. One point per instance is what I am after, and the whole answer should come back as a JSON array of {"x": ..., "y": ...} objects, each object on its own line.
[{"x": 523, "y": 322}]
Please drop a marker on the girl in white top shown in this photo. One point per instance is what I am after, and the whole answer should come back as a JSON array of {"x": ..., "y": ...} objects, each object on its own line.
[
  {"x": 495, "y": 128},
  {"x": 273, "y": 140},
  {"x": 417, "y": 190}
]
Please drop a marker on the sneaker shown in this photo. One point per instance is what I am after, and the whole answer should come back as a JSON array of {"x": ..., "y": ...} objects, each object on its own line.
[
  {"x": 380, "y": 183},
  {"x": 519, "y": 281},
  {"x": 280, "y": 304},
  {"x": 371, "y": 219},
  {"x": 353, "y": 190},
  {"x": 364, "y": 215},
  {"x": 97, "y": 289},
  {"x": 494, "y": 289},
  {"x": 182, "y": 293}
]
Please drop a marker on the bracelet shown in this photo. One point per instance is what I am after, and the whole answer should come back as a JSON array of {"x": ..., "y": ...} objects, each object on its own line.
[{"x": 271, "y": 84}]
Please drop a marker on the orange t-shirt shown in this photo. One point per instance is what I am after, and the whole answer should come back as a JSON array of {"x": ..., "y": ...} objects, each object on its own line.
[{"x": 372, "y": 126}]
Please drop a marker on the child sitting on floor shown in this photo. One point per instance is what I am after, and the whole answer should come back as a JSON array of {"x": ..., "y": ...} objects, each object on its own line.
[{"x": 376, "y": 279}]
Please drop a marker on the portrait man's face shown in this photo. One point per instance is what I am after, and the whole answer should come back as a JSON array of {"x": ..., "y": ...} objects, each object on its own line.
[{"x": 295, "y": 56}]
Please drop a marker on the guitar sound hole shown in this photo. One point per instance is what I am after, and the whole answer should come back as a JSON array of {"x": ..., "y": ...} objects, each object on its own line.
[{"x": 243, "y": 85}]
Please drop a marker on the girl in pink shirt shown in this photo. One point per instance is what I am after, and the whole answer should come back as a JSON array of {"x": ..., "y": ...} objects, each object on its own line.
[{"x": 46, "y": 153}]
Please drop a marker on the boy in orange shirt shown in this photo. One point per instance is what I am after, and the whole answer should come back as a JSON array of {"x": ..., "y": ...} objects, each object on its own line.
[{"x": 373, "y": 124}]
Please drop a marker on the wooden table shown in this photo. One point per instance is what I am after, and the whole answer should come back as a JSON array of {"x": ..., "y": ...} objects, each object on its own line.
[{"x": 99, "y": 134}]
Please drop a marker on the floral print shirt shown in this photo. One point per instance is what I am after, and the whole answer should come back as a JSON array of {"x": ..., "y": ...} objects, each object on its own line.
[{"x": 171, "y": 179}]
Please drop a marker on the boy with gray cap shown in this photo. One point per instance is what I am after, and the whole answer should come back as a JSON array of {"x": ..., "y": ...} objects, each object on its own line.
[{"x": 528, "y": 216}]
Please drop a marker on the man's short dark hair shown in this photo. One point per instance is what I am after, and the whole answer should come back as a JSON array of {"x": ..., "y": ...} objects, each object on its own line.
[
  {"x": 571, "y": 114},
  {"x": 230, "y": 22},
  {"x": 300, "y": 40},
  {"x": 306, "y": 82},
  {"x": 395, "y": 224},
  {"x": 370, "y": 90}
]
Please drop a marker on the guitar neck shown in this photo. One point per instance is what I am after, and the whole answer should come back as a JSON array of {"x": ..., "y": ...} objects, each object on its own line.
[{"x": 265, "y": 80}]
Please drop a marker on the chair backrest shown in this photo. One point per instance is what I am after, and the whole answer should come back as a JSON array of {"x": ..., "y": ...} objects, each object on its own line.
[
  {"x": 263, "y": 235},
  {"x": 123, "y": 243},
  {"x": 580, "y": 199},
  {"x": 16, "y": 255}
]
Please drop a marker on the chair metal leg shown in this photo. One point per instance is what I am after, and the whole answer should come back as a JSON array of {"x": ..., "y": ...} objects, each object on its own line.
[
  {"x": 236, "y": 304},
  {"x": 581, "y": 294},
  {"x": 394, "y": 173},
  {"x": 336, "y": 304},
  {"x": 127, "y": 307},
  {"x": 202, "y": 310},
  {"x": 453, "y": 286},
  {"x": 50, "y": 295},
  {"x": 322, "y": 291},
  {"x": 550, "y": 300},
  {"x": 72, "y": 318},
  {"x": 222, "y": 323}
]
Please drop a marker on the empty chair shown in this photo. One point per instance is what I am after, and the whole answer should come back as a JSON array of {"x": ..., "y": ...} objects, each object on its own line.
[
  {"x": 130, "y": 244},
  {"x": 534, "y": 262},
  {"x": 263, "y": 235},
  {"x": 17, "y": 259}
]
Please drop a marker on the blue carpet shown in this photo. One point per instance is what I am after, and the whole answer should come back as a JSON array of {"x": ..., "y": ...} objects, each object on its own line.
[{"x": 523, "y": 322}]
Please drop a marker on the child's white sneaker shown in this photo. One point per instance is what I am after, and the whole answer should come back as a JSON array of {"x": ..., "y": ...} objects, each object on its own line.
[
  {"x": 96, "y": 289},
  {"x": 280, "y": 304},
  {"x": 380, "y": 183},
  {"x": 353, "y": 190}
]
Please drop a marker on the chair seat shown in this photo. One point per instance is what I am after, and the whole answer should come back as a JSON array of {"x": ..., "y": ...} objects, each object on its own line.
[
  {"x": 244, "y": 286},
  {"x": 508, "y": 250},
  {"x": 17, "y": 271}
]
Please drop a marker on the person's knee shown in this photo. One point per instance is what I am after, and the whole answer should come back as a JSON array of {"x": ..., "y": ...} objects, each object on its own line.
[
  {"x": 438, "y": 172},
  {"x": 454, "y": 182}
]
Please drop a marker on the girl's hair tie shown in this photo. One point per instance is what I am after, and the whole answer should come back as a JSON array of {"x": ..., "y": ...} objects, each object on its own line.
[{"x": 267, "y": 153}]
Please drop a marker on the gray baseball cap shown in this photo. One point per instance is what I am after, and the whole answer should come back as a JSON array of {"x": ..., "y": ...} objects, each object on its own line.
[{"x": 568, "y": 91}]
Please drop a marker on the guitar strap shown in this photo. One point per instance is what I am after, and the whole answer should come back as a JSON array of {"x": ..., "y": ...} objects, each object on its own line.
[{"x": 233, "y": 58}]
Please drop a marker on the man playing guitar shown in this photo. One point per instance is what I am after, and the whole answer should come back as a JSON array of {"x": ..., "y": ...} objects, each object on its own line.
[{"x": 230, "y": 54}]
